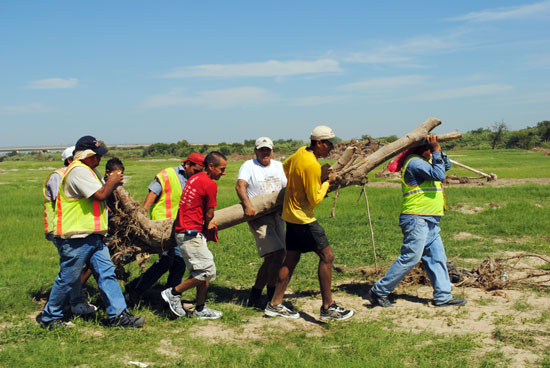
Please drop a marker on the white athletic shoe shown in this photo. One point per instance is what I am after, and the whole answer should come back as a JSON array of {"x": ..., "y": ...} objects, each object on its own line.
[
  {"x": 280, "y": 311},
  {"x": 174, "y": 302},
  {"x": 207, "y": 313}
]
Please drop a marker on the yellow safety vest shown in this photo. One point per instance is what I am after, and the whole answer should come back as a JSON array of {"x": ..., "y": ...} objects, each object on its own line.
[
  {"x": 425, "y": 199},
  {"x": 49, "y": 205},
  {"x": 167, "y": 205},
  {"x": 78, "y": 216}
]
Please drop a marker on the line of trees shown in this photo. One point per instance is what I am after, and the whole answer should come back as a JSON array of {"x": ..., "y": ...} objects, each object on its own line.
[
  {"x": 499, "y": 136},
  {"x": 184, "y": 148},
  {"x": 495, "y": 136}
]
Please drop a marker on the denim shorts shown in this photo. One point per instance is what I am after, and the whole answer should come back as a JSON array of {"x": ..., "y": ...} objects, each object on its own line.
[{"x": 305, "y": 238}]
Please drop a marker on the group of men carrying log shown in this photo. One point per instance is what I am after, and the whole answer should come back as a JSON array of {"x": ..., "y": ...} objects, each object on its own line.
[{"x": 187, "y": 194}]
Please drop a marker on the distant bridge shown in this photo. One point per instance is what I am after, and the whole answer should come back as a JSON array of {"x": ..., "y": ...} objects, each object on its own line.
[{"x": 61, "y": 148}]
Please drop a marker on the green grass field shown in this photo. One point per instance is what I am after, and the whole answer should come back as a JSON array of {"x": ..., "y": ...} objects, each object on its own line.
[{"x": 505, "y": 219}]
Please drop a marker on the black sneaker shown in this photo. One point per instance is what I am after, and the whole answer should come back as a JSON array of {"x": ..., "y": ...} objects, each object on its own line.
[
  {"x": 257, "y": 302},
  {"x": 55, "y": 324},
  {"x": 382, "y": 301},
  {"x": 126, "y": 320},
  {"x": 335, "y": 313},
  {"x": 131, "y": 296},
  {"x": 453, "y": 302}
]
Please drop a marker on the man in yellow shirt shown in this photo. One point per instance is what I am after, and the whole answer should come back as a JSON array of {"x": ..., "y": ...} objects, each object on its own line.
[{"x": 304, "y": 191}]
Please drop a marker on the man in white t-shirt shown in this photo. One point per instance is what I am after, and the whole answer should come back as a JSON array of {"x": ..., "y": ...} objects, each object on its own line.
[{"x": 263, "y": 175}]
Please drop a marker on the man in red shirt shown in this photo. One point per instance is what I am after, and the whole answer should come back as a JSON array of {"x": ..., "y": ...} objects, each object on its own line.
[{"x": 195, "y": 214}]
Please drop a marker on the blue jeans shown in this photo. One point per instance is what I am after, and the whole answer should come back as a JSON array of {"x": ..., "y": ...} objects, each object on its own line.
[
  {"x": 172, "y": 261},
  {"x": 420, "y": 240},
  {"x": 75, "y": 294},
  {"x": 74, "y": 253}
]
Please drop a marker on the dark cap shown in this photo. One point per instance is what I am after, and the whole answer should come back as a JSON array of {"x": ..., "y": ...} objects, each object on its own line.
[
  {"x": 195, "y": 158},
  {"x": 90, "y": 143}
]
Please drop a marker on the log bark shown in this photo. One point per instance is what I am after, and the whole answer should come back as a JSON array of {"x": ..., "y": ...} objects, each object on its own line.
[{"x": 156, "y": 236}]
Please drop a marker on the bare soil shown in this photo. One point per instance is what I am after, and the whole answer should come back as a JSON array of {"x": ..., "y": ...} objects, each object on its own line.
[
  {"x": 511, "y": 322},
  {"x": 477, "y": 183}
]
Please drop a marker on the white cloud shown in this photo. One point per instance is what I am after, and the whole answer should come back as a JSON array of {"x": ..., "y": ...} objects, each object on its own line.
[
  {"x": 506, "y": 13},
  {"x": 404, "y": 52},
  {"x": 388, "y": 82},
  {"x": 471, "y": 91},
  {"x": 27, "y": 108},
  {"x": 222, "y": 98},
  {"x": 318, "y": 100},
  {"x": 53, "y": 83},
  {"x": 538, "y": 62},
  {"x": 376, "y": 57},
  {"x": 272, "y": 68}
]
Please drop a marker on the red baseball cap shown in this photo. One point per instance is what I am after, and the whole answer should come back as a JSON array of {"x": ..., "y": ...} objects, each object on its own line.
[{"x": 195, "y": 158}]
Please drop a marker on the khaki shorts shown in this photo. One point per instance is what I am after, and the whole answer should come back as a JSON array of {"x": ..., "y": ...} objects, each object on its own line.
[
  {"x": 269, "y": 232},
  {"x": 198, "y": 258}
]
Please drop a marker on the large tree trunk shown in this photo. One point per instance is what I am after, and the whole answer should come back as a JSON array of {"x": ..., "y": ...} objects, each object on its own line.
[{"x": 134, "y": 231}]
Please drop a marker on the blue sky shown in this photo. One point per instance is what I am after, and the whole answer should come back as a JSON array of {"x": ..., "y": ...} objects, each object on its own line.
[{"x": 213, "y": 71}]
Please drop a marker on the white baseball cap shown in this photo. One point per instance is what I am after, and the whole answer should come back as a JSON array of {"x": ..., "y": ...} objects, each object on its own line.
[
  {"x": 68, "y": 153},
  {"x": 323, "y": 133},
  {"x": 263, "y": 142}
]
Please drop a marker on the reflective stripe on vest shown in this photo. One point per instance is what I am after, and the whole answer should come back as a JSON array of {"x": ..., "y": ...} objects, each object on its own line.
[
  {"x": 425, "y": 199},
  {"x": 79, "y": 216},
  {"x": 167, "y": 205},
  {"x": 49, "y": 205}
]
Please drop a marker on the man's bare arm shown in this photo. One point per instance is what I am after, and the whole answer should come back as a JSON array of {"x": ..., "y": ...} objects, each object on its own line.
[
  {"x": 113, "y": 180},
  {"x": 249, "y": 209},
  {"x": 149, "y": 200},
  {"x": 208, "y": 218}
]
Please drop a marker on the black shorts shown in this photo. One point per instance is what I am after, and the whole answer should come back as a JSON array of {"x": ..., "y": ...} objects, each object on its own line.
[{"x": 305, "y": 237}]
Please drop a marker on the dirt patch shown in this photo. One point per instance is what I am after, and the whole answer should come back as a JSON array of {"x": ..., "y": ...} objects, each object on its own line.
[
  {"x": 44, "y": 169},
  {"x": 467, "y": 209},
  {"x": 507, "y": 240},
  {"x": 161, "y": 159},
  {"x": 494, "y": 183},
  {"x": 509, "y": 321},
  {"x": 464, "y": 235},
  {"x": 512, "y": 311},
  {"x": 540, "y": 149},
  {"x": 166, "y": 348}
]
